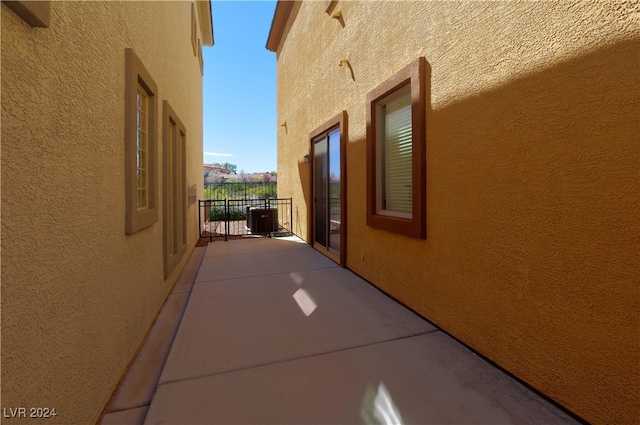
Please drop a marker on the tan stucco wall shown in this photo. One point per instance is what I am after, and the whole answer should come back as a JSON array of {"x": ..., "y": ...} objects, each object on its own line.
[
  {"x": 78, "y": 295},
  {"x": 533, "y": 212}
]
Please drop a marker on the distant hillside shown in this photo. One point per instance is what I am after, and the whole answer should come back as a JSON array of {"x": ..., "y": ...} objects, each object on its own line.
[{"x": 216, "y": 173}]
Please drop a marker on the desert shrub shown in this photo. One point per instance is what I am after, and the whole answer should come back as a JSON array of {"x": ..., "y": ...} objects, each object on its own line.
[{"x": 218, "y": 214}]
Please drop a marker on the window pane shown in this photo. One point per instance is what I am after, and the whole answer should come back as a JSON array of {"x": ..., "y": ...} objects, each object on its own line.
[
  {"x": 397, "y": 144},
  {"x": 141, "y": 179},
  {"x": 142, "y": 159},
  {"x": 171, "y": 239},
  {"x": 320, "y": 172},
  {"x": 142, "y": 188},
  {"x": 182, "y": 184},
  {"x": 142, "y": 147},
  {"x": 141, "y": 139},
  {"x": 142, "y": 198},
  {"x": 335, "y": 208},
  {"x": 142, "y": 120}
]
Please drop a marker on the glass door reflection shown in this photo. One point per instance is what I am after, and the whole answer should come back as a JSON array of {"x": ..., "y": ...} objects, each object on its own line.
[{"x": 327, "y": 190}]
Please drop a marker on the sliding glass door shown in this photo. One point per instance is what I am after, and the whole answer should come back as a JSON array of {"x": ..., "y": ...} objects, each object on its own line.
[{"x": 327, "y": 192}]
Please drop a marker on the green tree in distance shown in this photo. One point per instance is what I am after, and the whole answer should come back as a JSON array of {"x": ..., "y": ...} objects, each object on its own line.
[{"x": 231, "y": 168}]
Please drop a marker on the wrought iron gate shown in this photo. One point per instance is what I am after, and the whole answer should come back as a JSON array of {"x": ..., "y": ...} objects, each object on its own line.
[{"x": 224, "y": 218}]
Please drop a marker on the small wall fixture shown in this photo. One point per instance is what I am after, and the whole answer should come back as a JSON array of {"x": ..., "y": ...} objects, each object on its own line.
[
  {"x": 345, "y": 62},
  {"x": 284, "y": 124},
  {"x": 305, "y": 159},
  {"x": 192, "y": 194},
  {"x": 337, "y": 15}
]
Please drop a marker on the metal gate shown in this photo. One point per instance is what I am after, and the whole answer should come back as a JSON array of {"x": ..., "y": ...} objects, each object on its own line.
[{"x": 239, "y": 218}]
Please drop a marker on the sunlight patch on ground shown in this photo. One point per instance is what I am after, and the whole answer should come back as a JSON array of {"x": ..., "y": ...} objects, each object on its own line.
[
  {"x": 296, "y": 277},
  {"x": 378, "y": 407},
  {"x": 305, "y": 302}
]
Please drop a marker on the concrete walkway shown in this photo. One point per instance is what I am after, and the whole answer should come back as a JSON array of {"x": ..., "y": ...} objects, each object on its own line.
[{"x": 276, "y": 333}]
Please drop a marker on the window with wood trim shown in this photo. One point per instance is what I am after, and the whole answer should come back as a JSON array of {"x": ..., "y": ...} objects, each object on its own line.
[
  {"x": 174, "y": 193},
  {"x": 140, "y": 145},
  {"x": 396, "y": 152}
]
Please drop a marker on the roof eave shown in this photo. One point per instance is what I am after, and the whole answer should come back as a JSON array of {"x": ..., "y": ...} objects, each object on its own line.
[
  {"x": 279, "y": 23},
  {"x": 206, "y": 22}
]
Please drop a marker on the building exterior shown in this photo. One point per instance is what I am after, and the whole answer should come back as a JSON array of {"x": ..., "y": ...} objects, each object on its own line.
[
  {"x": 478, "y": 161},
  {"x": 101, "y": 168}
]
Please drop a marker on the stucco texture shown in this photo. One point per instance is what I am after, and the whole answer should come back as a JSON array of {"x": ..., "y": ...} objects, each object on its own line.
[
  {"x": 78, "y": 295},
  {"x": 533, "y": 213}
]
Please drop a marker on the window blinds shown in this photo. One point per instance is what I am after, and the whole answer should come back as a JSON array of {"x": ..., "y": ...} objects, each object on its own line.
[{"x": 397, "y": 155}]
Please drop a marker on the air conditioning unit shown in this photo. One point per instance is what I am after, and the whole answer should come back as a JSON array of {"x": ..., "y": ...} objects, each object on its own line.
[{"x": 262, "y": 221}]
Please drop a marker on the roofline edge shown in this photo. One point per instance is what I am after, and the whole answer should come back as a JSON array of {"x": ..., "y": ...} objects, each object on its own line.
[
  {"x": 206, "y": 21},
  {"x": 278, "y": 24}
]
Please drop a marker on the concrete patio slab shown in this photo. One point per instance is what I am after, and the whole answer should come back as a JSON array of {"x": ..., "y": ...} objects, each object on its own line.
[
  {"x": 238, "y": 323},
  {"x": 241, "y": 246},
  {"x": 185, "y": 281},
  {"x": 139, "y": 384},
  {"x": 126, "y": 417},
  {"x": 130, "y": 401},
  {"x": 233, "y": 262},
  {"x": 429, "y": 378},
  {"x": 285, "y": 336}
]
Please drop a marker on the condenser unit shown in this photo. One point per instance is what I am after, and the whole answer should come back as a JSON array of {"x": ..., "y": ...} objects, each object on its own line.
[{"x": 262, "y": 221}]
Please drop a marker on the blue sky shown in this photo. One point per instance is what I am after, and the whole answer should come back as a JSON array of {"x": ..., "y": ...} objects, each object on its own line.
[{"x": 240, "y": 87}]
